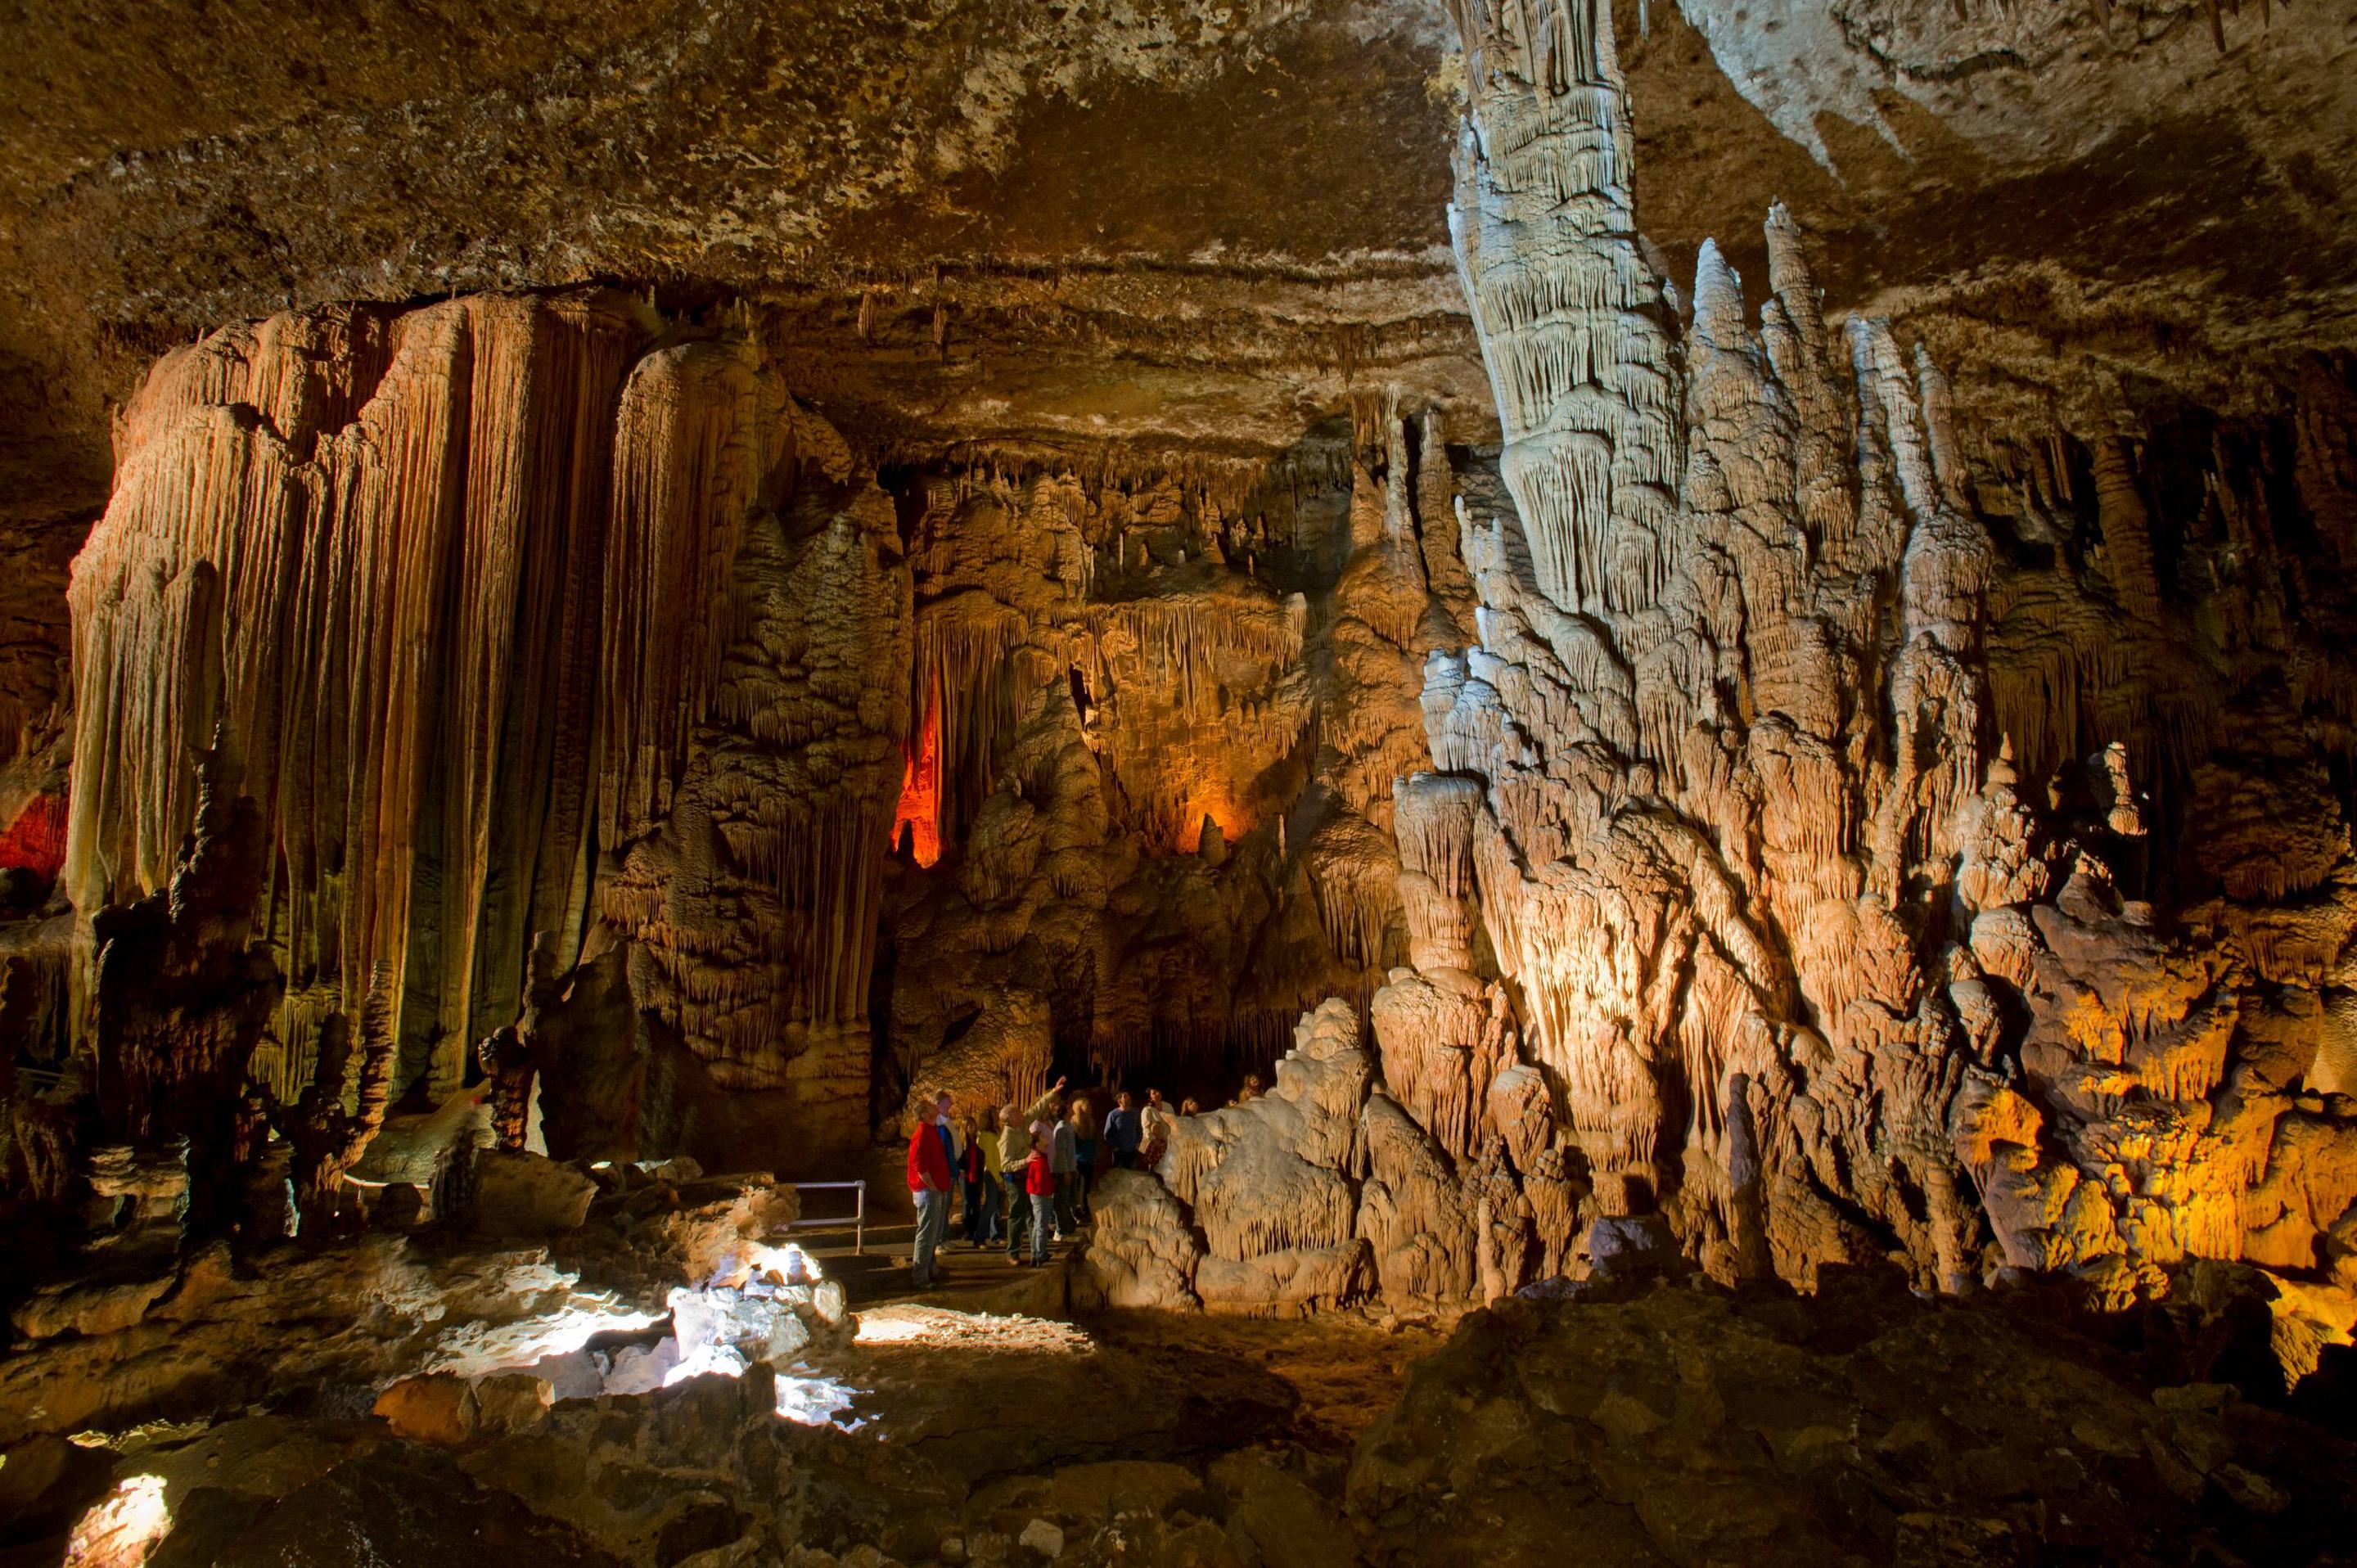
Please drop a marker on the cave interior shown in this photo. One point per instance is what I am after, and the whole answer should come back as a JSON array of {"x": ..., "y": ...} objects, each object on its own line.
[{"x": 1628, "y": 731}]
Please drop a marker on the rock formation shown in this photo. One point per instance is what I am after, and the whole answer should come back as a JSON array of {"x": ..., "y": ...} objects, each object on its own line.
[
  {"x": 1649, "y": 769},
  {"x": 1814, "y": 847},
  {"x": 477, "y": 597},
  {"x": 1681, "y": 1425},
  {"x": 1749, "y": 841}
]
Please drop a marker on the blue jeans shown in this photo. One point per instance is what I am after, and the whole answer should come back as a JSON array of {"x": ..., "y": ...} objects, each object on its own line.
[
  {"x": 1043, "y": 1214},
  {"x": 1018, "y": 1212},
  {"x": 933, "y": 1224},
  {"x": 982, "y": 1209}
]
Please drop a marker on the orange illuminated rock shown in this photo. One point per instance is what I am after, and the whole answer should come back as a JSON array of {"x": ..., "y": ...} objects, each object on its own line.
[
  {"x": 435, "y": 1408},
  {"x": 920, "y": 811}
]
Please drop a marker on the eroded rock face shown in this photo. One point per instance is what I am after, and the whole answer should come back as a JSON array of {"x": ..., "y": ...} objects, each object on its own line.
[
  {"x": 1114, "y": 687},
  {"x": 1317, "y": 1195},
  {"x": 1744, "y": 785},
  {"x": 420, "y": 579}
]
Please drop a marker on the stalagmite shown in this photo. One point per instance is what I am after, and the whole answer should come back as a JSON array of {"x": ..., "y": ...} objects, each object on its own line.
[
  {"x": 327, "y": 1140},
  {"x": 1704, "y": 780}
]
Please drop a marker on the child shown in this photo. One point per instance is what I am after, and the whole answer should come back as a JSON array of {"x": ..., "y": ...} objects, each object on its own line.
[{"x": 1039, "y": 1181}]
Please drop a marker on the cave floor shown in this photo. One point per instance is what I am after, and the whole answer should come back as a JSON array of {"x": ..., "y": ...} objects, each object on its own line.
[
  {"x": 987, "y": 1394},
  {"x": 971, "y": 1279},
  {"x": 994, "y": 1338}
]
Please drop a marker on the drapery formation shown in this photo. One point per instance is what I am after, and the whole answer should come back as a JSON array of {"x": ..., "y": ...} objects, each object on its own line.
[{"x": 450, "y": 592}]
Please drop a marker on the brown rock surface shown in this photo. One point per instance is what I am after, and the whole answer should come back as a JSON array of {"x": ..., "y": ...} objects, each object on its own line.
[{"x": 1681, "y": 1425}]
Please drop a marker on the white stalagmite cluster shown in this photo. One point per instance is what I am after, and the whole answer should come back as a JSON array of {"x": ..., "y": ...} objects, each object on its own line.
[{"x": 1723, "y": 892}]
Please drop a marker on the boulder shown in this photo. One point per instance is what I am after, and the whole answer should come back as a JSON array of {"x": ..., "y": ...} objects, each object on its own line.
[
  {"x": 758, "y": 1323},
  {"x": 95, "y": 1307},
  {"x": 641, "y": 1369},
  {"x": 1632, "y": 1246},
  {"x": 511, "y": 1402},
  {"x": 1282, "y": 1518},
  {"x": 1100, "y": 1493},
  {"x": 435, "y": 1408},
  {"x": 1043, "y": 1537},
  {"x": 529, "y": 1195}
]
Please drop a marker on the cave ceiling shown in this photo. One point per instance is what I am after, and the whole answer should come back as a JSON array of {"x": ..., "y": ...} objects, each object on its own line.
[{"x": 1159, "y": 223}]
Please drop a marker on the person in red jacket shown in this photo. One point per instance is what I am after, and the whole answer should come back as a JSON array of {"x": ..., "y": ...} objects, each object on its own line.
[
  {"x": 1039, "y": 1181},
  {"x": 931, "y": 1159}
]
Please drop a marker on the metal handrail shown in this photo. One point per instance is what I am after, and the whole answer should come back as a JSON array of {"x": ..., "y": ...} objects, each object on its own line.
[
  {"x": 858, "y": 1214},
  {"x": 858, "y": 1218}
]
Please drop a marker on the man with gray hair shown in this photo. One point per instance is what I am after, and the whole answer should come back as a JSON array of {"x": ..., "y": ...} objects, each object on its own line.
[{"x": 1015, "y": 1161}]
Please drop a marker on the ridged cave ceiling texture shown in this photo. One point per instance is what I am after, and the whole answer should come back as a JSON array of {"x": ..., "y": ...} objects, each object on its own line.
[{"x": 1705, "y": 632}]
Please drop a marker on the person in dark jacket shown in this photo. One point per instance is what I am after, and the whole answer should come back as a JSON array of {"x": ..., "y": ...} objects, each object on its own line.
[
  {"x": 978, "y": 1168},
  {"x": 1123, "y": 1135},
  {"x": 932, "y": 1159},
  {"x": 1064, "y": 1159},
  {"x": 1087, "y": 1146}
]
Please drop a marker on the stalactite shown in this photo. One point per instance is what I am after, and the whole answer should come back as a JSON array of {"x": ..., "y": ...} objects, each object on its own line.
[
  {"x": 692, "y": 452},
  {"x": 1184, "y": 641},
  {"x": 2127, "y": 531},
  {"x": 410, "y": 570}
]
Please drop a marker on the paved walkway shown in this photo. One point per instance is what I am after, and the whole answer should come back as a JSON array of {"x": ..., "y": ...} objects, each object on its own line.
[{"x": 971, "y": 1279}]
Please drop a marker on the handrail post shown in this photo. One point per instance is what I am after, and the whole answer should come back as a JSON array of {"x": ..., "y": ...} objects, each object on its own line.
[{"x": 858, "y": 1216}]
